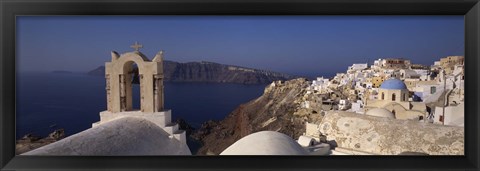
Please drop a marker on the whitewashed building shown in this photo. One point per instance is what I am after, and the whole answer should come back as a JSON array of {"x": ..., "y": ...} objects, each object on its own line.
[
  {"x": 357, "y": 67},
  {"x": 320, "y": 84},
  {"x": 454, "y": 115},
  {"x": 357, "y": 106},
  {"x": 344, "y": 104}
]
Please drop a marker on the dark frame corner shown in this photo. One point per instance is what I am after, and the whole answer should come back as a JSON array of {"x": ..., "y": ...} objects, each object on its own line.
[{"x": 11, "y": 8}]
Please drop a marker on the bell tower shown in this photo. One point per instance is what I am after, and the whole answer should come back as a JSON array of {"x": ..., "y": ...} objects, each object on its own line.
[{"x": 119, "y": 75}]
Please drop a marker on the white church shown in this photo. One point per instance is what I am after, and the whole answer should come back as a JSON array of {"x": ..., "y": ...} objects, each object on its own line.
[{"x": 123, "y": 130}]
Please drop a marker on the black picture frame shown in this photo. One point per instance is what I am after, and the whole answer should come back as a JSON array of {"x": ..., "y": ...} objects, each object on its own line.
[{"x": 11, "y": 8}]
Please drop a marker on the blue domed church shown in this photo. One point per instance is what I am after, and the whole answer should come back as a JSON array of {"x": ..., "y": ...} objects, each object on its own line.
[
  {"x": 393, "y": 90},
  {"x": 393, "y": 96}
]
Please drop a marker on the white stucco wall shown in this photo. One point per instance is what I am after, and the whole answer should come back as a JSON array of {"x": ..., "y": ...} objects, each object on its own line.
[{"x": 454, "y": 115}]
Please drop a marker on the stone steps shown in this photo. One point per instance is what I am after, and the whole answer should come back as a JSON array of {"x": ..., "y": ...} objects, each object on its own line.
[
  {"x": 181, "y": 136},
  {"x": 173, "y": 130}
]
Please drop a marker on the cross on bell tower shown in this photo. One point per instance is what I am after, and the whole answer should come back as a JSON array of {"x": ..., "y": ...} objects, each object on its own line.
[{"x": 136, "y": 46}]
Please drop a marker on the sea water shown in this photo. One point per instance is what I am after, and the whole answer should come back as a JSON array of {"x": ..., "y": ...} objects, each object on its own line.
[{"x": 72, "y": 101}]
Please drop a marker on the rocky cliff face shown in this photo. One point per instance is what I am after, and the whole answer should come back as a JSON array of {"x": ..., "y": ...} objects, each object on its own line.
[
  {"x": 278, "y": 109},
  {"x": 211, "y": 72}
]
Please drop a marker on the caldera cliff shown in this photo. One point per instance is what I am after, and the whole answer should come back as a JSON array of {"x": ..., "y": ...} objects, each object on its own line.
[
  {"x": 211, "y": 72},
  {"x": 278, "y": 109}
]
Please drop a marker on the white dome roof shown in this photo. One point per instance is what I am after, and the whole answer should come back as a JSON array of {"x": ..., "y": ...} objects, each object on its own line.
[
  {"x": 265, "y": 143},
  {"x": 124, "y": 136},
  {"x": 380, "y": 112}
]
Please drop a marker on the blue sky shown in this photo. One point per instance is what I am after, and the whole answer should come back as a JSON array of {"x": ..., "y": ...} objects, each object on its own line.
[{"x": 298, "y": 45}]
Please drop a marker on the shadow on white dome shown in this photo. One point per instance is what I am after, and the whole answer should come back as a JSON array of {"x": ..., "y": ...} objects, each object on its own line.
[{"x": 265, "y": 143}]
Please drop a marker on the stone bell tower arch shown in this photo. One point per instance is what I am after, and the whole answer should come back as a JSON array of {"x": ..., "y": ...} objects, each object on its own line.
[{"x": 118, "y": 77}]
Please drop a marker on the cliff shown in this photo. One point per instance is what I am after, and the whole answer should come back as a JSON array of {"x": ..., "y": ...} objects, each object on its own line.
[
  {"x": 211, "y": 72},
  {"x": 278, "y": 109}
]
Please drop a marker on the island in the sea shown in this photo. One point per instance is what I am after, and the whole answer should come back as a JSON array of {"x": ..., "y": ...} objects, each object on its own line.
[{"x": 211, "y": 72}]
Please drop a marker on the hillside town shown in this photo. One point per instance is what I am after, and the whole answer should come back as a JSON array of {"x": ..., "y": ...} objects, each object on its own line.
[
  {"x": 433, "y": 94},
  {"x": 391, "y": 88}
]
